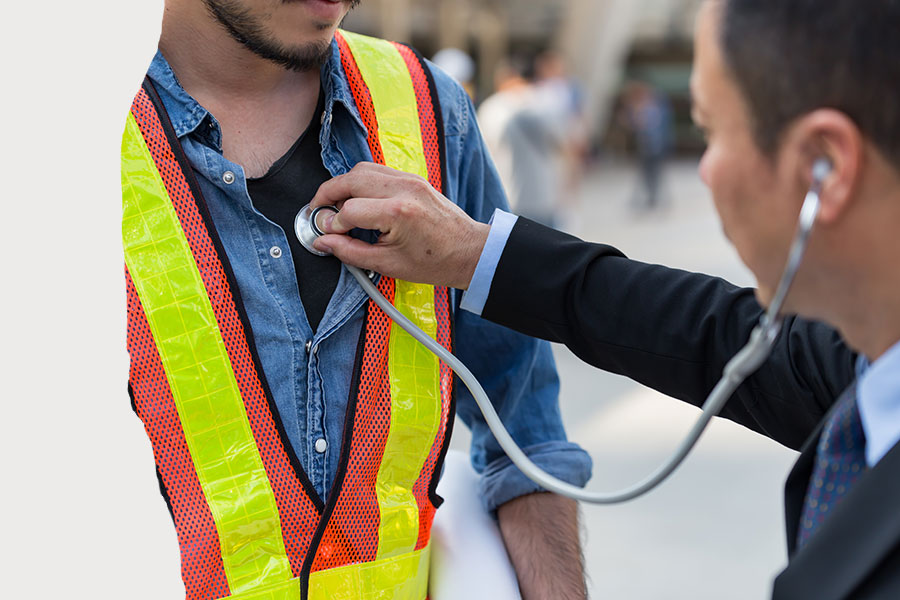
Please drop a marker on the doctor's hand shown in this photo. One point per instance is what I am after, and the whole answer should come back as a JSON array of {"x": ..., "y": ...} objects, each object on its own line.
[{"x": 425, "y": 238}]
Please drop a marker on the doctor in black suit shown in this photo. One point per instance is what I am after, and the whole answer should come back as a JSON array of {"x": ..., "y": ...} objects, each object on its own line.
[{"x": 777, "y": 85}]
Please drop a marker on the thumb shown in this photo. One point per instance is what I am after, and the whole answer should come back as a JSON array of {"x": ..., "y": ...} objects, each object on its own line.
[
  {"x": 349, "y": 250},
  {"x": 336, "y": 223}
]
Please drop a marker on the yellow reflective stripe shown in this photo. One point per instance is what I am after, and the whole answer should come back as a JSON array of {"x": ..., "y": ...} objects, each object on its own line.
[
  {"x": 415, "y": 382},
  {"x": 199, "y": 372},
  {"x": 286, "y": 590},
  {"x": 403, "y": 577},
  {"x": 414, "y": 372},
  {"x": 394, "y": 98}
]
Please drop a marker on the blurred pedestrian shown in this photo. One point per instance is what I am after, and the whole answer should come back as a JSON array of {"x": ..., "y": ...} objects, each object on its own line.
[
  {"x": 562, "y": 94},
  {"x": 513, "y": 93},
  {"x": 458, "y": 65},
  {"x": 527, "y": 126},
  {"x": 649, "y": 119}
]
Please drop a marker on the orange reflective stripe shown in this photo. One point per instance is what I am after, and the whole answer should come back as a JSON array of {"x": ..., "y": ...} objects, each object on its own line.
[
  {"x": 431, "y": 122},
  {"x": 297, "y": 512},
  {"x": 362, "y": 96},
  {"x": 356, "y": 507},
  {"x": 201, "y": 564},
  {"x": 206, "y": 394},
  {"x": 351, "y": 534},
  {"x": 429, "y": 115}
]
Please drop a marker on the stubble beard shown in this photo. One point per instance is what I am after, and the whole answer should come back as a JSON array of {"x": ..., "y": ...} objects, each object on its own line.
[{"x": 249, "y": 31}]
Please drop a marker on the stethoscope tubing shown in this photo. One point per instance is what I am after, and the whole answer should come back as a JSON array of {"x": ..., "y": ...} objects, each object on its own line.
[
  {"x": 755, "y": 353},
  {"x": 737, "y": 370}
]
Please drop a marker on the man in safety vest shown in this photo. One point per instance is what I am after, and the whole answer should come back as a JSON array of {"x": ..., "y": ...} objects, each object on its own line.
[{"x": 298, "y": 436}]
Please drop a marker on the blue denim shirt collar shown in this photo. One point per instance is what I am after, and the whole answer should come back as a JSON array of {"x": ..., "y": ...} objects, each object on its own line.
[{"x": 188, "y": 116}]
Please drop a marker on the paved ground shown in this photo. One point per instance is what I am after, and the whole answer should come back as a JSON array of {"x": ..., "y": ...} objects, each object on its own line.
[{"x": 715, "y": 530}]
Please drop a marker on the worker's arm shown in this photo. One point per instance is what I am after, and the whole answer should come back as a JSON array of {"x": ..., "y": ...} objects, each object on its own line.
[
  {"x": 518, "y": 374},
  {"x": 541, "y": 534}
]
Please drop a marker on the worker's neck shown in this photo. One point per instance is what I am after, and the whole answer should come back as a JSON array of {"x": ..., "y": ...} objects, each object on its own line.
[{"x": 209, "y": 63}]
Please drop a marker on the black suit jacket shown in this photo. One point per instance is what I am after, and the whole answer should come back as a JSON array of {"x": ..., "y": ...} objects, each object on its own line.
[{"x": 674, "y": 331}]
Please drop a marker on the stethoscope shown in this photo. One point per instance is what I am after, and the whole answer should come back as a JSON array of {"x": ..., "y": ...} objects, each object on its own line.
[{"x": 741, "y": 366}]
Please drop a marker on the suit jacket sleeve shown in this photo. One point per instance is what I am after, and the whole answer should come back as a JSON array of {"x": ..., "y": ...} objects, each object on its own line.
[{"x": 667, "y": 329}]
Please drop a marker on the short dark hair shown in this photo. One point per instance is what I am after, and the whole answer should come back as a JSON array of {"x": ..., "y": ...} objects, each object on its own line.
[{"x": 790, "y": 57}]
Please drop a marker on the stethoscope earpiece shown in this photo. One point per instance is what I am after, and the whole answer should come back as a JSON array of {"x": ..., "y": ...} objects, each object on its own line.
[{"x": 821, "y": 170}]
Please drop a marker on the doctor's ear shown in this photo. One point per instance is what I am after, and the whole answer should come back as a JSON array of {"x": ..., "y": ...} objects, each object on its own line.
[{"x": 828, "y": 136}]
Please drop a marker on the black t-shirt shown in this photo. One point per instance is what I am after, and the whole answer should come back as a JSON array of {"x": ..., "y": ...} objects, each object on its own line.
[{"x": 280, "y": 194}]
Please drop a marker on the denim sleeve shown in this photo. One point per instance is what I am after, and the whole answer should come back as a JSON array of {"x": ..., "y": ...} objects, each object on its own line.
[{"x": 517, "y": 372}]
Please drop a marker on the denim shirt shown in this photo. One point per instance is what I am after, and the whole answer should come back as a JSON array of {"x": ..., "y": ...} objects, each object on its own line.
[{"x": 309, "y": 373}]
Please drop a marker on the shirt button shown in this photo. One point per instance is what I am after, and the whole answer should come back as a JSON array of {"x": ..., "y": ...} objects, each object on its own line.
[
  {"x": 228, "y": 177},
  {"x": 321, "y": 445},
  {"x": 275, "y": 252},
  {"x": 308, "y": 345}
]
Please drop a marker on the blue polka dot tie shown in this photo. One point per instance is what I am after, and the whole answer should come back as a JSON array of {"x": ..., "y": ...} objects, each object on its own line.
[{"x": 840, "y": 461}]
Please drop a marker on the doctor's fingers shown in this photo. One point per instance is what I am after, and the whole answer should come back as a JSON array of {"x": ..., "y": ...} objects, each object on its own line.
[
  {"x": 390, "y": 258},
  {"x": 352, "y": 251},
  {"x": 413, "y": 210},
  {"x": 368, "y": 180},
  {"x": 362, "y": 213}
]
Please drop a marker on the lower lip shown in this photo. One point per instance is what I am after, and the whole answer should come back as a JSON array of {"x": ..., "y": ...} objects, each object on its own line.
[{"x": 325, "y": 9}]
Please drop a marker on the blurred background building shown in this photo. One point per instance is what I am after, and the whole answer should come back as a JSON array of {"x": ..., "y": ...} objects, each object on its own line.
[
  {"x": 585, "y": 104},
  {"x": 605, "y": 43}
]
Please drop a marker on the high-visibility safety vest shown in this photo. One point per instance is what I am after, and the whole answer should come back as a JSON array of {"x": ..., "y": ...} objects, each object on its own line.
[{"x": 250, "y": 525}]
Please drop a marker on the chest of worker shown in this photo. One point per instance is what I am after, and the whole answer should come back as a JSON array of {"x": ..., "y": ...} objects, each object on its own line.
[
  {"x": 309, "y": 368},
  {"x": 198, "y": 381}
]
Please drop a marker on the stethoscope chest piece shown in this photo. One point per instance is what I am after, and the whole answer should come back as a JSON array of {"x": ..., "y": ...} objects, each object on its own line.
[{"x": 307, "y": 229}]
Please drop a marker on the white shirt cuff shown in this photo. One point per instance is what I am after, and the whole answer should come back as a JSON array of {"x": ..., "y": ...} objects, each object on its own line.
[{"x": 476, "y": 296}]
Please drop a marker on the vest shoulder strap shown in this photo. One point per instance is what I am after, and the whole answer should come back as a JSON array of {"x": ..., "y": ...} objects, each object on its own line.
[{"x": 387, "y": 80}]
